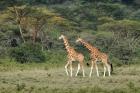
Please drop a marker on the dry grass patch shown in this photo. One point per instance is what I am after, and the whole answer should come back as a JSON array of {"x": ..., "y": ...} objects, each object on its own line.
[{"x": 55, "y": 80}]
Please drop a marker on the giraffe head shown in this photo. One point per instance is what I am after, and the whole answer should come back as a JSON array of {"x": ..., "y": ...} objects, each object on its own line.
[
  {"x": 61, "y": 37},
  {"x": 78, "y": 40}
]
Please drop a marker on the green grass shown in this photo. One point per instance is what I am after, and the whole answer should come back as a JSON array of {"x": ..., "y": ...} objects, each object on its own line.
[{"x": 46, "y": 78}]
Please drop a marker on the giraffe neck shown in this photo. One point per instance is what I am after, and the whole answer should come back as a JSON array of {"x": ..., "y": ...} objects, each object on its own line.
[
  {"x": 87, "y": 45},
  {"x": 67, "y": 46}
]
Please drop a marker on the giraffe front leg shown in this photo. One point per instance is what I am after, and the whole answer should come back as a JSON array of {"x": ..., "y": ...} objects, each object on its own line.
[
  {"x": 66, "y": 68},
  {"x": 95, "y": 62},
  {"x": 71, "y": 67},
  {"x": 77, "y": 70},
  {"x": 91, "y": 69},
  {"x": 97, "y": 70}
]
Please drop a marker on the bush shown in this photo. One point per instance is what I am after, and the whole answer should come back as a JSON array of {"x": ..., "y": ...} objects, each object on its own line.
[
  {"x": 28, "y": 52},
  {"x": 125, "y": 39},
  {"x": 136, "y": 15},
  {"x": 103, "y": 20}
]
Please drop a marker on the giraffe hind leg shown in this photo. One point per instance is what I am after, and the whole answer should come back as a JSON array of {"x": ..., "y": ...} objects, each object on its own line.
[
  {"x": 66, "y": 68},
  {"x": 96, "y": 67},
  {"x": 104, "y": 70},
  {"x": 83, "y": 70},
  {"x": 109, "y": 69},
  {"x": 78, "y": 69},
  {"x": 97, "y": 70},
  {"x": 71, "y": 68},
  {"x": 92, "y": 64}
]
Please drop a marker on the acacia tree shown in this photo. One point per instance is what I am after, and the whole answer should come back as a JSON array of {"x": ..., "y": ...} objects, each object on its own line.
[
  {"x": 41, "y": 18},
  {"x": 37, "y": 21},
  {"x": 32, "y": 21},
  {"x": 16, "y": 15}
]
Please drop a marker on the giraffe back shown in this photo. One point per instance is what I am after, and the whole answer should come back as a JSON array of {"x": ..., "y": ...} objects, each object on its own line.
[{"x": 75, "y": 56}]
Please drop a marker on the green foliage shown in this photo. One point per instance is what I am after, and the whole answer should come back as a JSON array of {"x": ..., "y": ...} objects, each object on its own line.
[
  {"x": 125, "y": 38},
  {"x": 115, "y": 10},
  {"x": 123, "y": 25},
  {"x": 56, "y": 58},
  {"x": 48, "y": 2},
  {"x": 28, "y": 52},
  {"x": 104, "y": 41},
  {"x": 113, "y": 26},
  {"x": 135, "y": 15},
  {"x": 103, "y": 20}
]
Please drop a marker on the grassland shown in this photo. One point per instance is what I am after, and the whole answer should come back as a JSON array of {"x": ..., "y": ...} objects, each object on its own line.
[{"x": 46, "y": 78}]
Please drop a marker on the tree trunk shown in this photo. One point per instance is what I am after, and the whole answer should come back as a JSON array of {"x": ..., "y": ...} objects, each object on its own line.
[
  {"x": 19, "y": 23},
  {"x": 21, "y": 33},
  {"x": 34, "y": 35},
  {"x": 42, "y": 41}
]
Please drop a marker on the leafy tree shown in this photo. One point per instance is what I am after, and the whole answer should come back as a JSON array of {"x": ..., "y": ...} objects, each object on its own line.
[
  {"x": 16, "y": 15},
  {"x": 42, "y": 18}
]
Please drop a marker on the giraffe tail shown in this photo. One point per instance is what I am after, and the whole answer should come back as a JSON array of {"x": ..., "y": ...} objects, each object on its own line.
[
  {"x": 88, "y": 64},
  {"x": 111, "y": 67}
]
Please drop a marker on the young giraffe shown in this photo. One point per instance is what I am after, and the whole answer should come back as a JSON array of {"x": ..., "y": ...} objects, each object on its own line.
[
  {"x": 72, "y": 56},
  {"x": 96, "y": 55}
]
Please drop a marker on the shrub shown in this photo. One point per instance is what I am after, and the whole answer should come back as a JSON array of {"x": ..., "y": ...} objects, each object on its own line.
[
  {"x": 136, "y": 15},
  {"x": 103, "y": 20},
  {"x": 125, "y": 38},
  {"x": 28, "y": 52}
]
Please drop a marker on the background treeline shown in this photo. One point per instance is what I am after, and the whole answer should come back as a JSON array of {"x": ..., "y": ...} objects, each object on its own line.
[{"x": 29, "y": 29}]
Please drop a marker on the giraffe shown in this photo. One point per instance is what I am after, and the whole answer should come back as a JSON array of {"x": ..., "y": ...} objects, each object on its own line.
[
  {"x": 96, "y": 55},
  {"x": 72, "y": 56}
]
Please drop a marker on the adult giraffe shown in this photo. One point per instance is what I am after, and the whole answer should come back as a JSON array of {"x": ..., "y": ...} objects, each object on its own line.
[
  {"x": 72, "y": 56},
  {"x": 96, "y": 55}
]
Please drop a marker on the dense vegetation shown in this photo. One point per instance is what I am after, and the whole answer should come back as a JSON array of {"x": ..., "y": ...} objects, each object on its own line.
[{"x": 29, "y": 29}]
